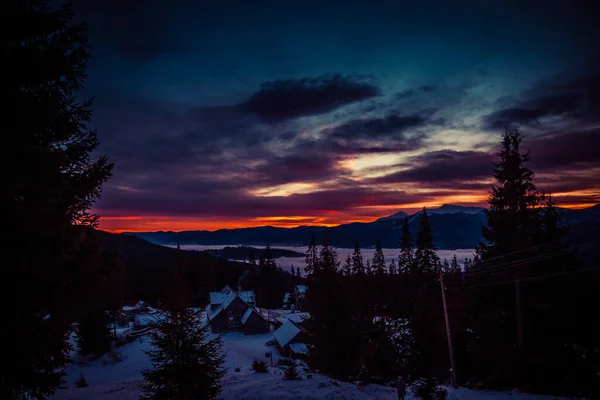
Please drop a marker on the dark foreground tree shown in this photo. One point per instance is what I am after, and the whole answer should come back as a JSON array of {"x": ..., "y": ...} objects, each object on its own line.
[
  {"x": 93, "y": 332},
  {"x": 53, "y": 182},
  {"x": 186, "y": 364},
  {"x": 333, "y": 350},
  {"x": 406, "y": 257},
  {"x": 426, "y": 259}
]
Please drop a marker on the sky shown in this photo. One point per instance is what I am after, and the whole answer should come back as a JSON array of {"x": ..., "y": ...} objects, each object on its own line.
[{"x": 230, "y": 113}]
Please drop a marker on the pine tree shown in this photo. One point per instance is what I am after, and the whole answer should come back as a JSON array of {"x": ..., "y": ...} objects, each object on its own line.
[
  {"x": 446, "y": 266},
  {"x": 426, "y": 259},
  {"x": 454, "y": 266},
  {"x": 334, "y": 348},
  {"x": 393, "y": 270},
  {"x": 378, "y": 266},
  {"x": 406, "y": 257},
  {"x": 52, "y": 180},
  {"x": 368, "y": 268},
  {"x": 93, "y": 332},
  {"x": 312, "y": 257},
  {"x": 293, "y": 271},
  {"x": 347, "y": 268},
  {"x": 186, "y": 364},
  {"x": 358, "y": 267}
]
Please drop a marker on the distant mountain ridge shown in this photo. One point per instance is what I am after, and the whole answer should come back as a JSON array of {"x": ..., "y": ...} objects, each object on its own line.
[{"x": 455, "y": 227}]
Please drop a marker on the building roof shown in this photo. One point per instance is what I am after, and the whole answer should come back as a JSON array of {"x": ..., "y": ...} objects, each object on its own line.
[
  {"x": 221, "y": 297},
  {"x": 297, "y": 318},
  {"x": 286, "y": 333},
  {"x": 226, "y": 289},
  {"x": 299, "y": 348},
  {"x": 249, "y": 312},
  {"x": 226, "y": 301}
]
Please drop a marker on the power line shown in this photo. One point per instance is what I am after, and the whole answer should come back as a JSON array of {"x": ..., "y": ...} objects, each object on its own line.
[
  {"x": 501, "y": 267},
  {"x": 488, "y": 260},
  {"x": 528, "y": 279}
]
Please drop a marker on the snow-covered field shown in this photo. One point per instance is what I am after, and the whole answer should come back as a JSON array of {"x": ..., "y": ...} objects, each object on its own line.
[
  {"x": 110, "y": 380},
  {"x": 287, "y": 262}
]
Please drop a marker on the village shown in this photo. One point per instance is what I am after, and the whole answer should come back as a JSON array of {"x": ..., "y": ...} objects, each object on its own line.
[{"x": 233, "y": 311}]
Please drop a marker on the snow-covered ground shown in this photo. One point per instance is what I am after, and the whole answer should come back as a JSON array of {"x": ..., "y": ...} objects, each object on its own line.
[{"x": 112, "y": 380}]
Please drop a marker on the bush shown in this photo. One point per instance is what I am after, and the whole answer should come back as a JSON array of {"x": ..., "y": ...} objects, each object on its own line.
[
  {"x": 260, "y": 366},
  {"x": 286, "y": 362},
  {"x": 429, "y": 389},
  {"x": 291, "y": 373},
  {"x": 237, "y": 369},
  {"x": 81, "y": 382}
]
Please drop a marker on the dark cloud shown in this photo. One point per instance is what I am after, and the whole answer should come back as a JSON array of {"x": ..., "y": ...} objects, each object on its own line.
[
  {"x": 292, "y": 98},
  {"x": 444, "y": 166},
  {"x": 374, "y": 128},
  {"x": 564, "y": 149},
  {"x": 577, "y": 99},
  {"x": 138, "y": 28}
]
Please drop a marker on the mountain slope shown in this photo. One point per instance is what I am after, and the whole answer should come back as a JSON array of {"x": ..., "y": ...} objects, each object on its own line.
[{"x": 454, "y": 227}]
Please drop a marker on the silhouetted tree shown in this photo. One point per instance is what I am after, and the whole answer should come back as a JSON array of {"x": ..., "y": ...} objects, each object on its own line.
[
  {"x": 454, "y": 266},
  {"x": 406, "y": 257},
  {"x": 186, "y": 364},
  {"x": 312, "y": 257},
  {"x": 426, "y": 259},
  {"x": 358, "y": 266},
  {"x": 347, "y": 268},
  {"x": 93, "y": 332},
  {"x": 51, "y": 183},
  {"x": 393, "y": 270},
  {"x": 334, "y": 351},
  {"x": 368, "y": 268},
  {"x": 378, "y": 265}
]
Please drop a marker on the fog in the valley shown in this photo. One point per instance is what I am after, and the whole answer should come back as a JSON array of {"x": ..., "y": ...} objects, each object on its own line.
[{"x": 287, "y": 262}]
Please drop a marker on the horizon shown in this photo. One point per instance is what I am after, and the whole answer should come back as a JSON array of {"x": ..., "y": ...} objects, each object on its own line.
[
  {"x": 328, "y": 115},
  {"x": 414, "y": 211}
]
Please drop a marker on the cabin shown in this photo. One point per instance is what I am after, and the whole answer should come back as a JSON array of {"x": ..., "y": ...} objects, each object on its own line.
[
  {"x": 234, "y": 311},
  {"x": 291, "y": 339}
]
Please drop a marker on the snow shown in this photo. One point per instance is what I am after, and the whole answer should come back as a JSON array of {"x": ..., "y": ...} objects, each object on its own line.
[
  {"x": 297, "y": 318},
  {"x": 221, "y": 297},
  {"x": 246, "y": 315},
  {"x": 286, "y": 333},
  {"x": 299, "y": 348},
  {"x": 110, "y": 380}
]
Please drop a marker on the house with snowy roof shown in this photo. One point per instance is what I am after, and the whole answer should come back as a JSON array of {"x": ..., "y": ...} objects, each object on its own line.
[
  {"x": 291, "y": 339},
  {"x": 234, "y": 311}
]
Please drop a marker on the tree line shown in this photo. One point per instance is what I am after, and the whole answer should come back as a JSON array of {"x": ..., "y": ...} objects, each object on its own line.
[{"x": 516, "y": 309}]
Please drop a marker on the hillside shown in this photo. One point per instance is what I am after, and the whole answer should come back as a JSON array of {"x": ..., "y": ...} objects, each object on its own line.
[
  {"x": 147, "y": 268},
  {"x": 455, "y": 227}
]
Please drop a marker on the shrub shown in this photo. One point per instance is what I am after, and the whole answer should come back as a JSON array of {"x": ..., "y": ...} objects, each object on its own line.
[
  {"x": 429, "y": 389},
  {"x": 291, "y": 372},
  {"x": 81, "y": 382},
  {"x": 260, "y": 366},
  {"x": 237, "y": 369},
  {"x": 286, "y": 362}
]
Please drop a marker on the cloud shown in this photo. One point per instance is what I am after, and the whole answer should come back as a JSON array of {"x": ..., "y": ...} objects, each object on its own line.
[
  {"x": 374, "y": 128},
  {"x": 443, "y": 166},
  {"x": 287, "y": 99},
  {"x": 577, "y": 99}
]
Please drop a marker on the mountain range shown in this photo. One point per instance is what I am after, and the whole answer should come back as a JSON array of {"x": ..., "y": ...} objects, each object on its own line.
[{"x": 454, "y": 227}]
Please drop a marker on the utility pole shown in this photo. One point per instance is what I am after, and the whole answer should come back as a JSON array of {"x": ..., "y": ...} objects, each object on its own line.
[{"x": 448, "y": 331}]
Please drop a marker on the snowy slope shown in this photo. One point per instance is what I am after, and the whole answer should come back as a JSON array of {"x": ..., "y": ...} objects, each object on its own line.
[{"x": 121, "y": 380}]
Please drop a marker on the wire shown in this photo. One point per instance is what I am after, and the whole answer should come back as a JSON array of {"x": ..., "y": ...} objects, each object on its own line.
[
  {"x": 501, "y": 267},
  {"x": 527, "y": 279},
  {"x": 488, "y": 260}
]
